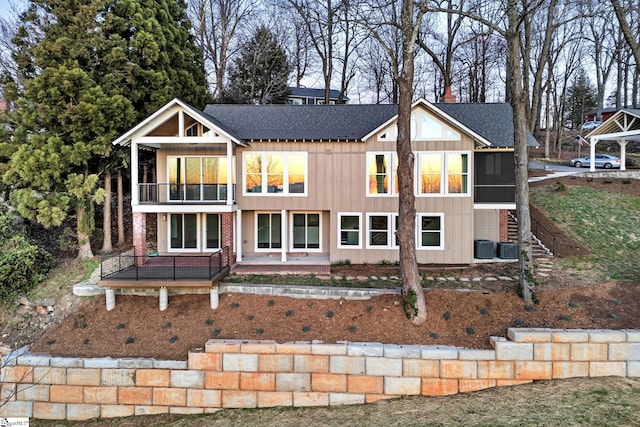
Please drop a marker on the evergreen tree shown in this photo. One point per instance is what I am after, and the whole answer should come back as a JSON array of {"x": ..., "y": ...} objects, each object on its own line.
[
  {"x": 87, "y": 71},
  {"x": 581, "y": 97},
  {"x": 261, "y": 72}
]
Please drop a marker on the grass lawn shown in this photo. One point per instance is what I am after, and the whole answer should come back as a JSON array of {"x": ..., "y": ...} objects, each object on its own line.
[{"x": 608, "y": 223}]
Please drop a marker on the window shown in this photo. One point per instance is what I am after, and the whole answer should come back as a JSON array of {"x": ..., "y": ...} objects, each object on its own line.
[
  {"x": 382, "y": 174},
  {"x": 198, "y": 178},
  {"x": 430, "y": 231},
  {"x": 431, "y": 179},
  {"x": 305, "y": 231},
  {"x": 269, "y": 231},
  {"x": 457, "y": 173},
  {"x": 349, "y": 226},
  {"x": 212, "y": 231},
  {"x": 430, "y": 165},
  {"x": 275, "y": 173},
  {"x": 381, "y": 230},
  {"x": 183, "y": 231}
]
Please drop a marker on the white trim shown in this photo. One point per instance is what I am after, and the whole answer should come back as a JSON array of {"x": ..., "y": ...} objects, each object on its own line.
[
  {"x": 285, "y": 173},
  {"x": 339, "y": 215},
  {"x": 290, "y": 234},
  {"x": 391, "y": 236},
  {"x": 490, "y": 206},
  {"x": 393, "y": 176},
  {"x": 444, "y": 174},
  {"x": 199, "y": 208},
  {"x": 204, "y": 232},
  {"x": 198, "y": 233},
  {"x": 171, "y": 105},
  {"x": 255, "y": 232},
  {"x": 419, "y": 231},
  {"x": 238, "y": 235}
]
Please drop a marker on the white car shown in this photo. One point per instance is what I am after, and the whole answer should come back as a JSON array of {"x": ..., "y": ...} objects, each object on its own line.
[{"x": 591, "y": 125}]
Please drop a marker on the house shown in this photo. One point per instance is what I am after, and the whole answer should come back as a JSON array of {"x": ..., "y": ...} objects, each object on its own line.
[
  {"x": 275, "y": 183},
  {"x": 311, "y": 96},
  {"x": 605, "y": 114}
]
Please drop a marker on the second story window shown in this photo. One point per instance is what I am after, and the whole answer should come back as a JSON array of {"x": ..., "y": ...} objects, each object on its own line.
[
  {"x": 275, "y": 173},
  {"x": 382, "y": 175},
  {"x": 443, "y": 173}
]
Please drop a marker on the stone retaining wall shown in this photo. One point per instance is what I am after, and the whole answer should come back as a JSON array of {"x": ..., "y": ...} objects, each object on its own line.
[{"x": 250, "y": 374}]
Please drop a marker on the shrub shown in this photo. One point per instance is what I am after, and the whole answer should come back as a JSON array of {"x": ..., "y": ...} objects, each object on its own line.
[{"x": 23, "y": 265}]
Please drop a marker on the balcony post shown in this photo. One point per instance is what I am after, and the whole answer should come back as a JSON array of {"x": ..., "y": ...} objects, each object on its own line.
[
  {"x": 229, "y": 173},
  {"x": 135, "y": 189}
]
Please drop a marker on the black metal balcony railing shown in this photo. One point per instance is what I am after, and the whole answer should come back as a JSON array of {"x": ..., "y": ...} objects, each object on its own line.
[
  {"x": 164, "y": 267},
  {"x": 494, "y": 193},
  {"x": 184, "y": 193}
]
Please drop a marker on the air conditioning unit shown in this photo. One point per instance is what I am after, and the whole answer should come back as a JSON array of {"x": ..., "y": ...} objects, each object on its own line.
[
  {"x": 507, "y": 250},
  {"x": 483, "y": 249}
]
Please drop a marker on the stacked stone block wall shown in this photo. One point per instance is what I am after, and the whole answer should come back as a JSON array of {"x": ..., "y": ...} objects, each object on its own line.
[{"x": 253, "y": 374}]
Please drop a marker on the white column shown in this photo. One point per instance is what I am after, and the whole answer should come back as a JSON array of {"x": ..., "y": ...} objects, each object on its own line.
[
  {"x": 623, "y": 155},
  {"x": 135, "y": 190},
  {"x": 180, "y": 123},
  {"x": 229, "y": 173},
  {"x": 110, "y": 295},
  {"x": 592, "y": 153},
  {"x": 283, "y": 238},
  {"x": 238, "y": 235},
  {"x": 164, "y": 299},
  {"x": 214, "y": 297}
]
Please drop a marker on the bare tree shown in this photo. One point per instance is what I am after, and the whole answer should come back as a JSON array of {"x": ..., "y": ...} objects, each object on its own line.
[
  {"x": 407, "y": 26},
  {"x": 218, "y": 24},
  {"x": 606, "y": 40},
  {"x": 441, "y": 49},
  {"x": 625, "y": 26}
]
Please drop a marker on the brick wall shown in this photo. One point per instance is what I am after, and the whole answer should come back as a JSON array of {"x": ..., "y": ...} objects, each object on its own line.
[
  {"x": 504, "y": 225},
  {"x": 250, "y": 374},
  {"x": 140, "y": 234}
]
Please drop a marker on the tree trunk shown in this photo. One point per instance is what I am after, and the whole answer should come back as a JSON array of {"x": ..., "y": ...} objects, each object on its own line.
[
  {"x": 120, "y": 210},
  {"x": 83, "y": 231},
  {"x": 106, "y": 221},
  {"x": 412, "y": 292},
  {"x": 518, "y": 103}
]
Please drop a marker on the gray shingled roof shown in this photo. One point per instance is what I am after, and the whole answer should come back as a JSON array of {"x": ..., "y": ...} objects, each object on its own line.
[
  {"x": 494, "y": 122},
  {"x": 301, "y": 122}
]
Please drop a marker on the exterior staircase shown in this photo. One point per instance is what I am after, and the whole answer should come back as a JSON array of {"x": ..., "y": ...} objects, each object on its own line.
[{"x": 537, "y": 247}]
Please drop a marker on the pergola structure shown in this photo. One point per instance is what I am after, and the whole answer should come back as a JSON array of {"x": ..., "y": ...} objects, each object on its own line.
[{"x": 623, "y": 126}]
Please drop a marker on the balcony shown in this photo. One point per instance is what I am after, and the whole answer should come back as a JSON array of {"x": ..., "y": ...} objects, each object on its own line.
[
  {"x": 163, "y": 268},
  {"x": 156, "y": 194}
]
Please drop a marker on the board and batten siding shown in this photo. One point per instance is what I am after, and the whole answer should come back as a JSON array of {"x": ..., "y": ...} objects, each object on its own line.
[{"x": 337, "y": 182}]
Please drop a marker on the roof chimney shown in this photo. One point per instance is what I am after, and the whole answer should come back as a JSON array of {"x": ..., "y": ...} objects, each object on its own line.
[{"x": 449, "y": 98}]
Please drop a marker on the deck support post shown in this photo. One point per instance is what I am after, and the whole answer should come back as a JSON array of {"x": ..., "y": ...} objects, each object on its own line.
[
  {"x": 164, "y": 299},
  {"x": 214, "y": 297},
  {"x": 110, "y": 295}
]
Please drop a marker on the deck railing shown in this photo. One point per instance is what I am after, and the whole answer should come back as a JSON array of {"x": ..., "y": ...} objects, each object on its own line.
[
  {"x": 164, "y": 267},
  {"x": 184, "y": 193}
]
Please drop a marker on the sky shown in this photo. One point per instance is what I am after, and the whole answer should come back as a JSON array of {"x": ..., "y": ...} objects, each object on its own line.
[{"x": 5, "y": 6}]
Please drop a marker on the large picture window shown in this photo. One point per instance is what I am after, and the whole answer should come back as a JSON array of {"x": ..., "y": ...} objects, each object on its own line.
[
  {"x": 275, "y": 173},
  {"x": 198, "y": 178},
  {"x": 382, "y": 174},
  {"x": 432, "y": 178}
]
